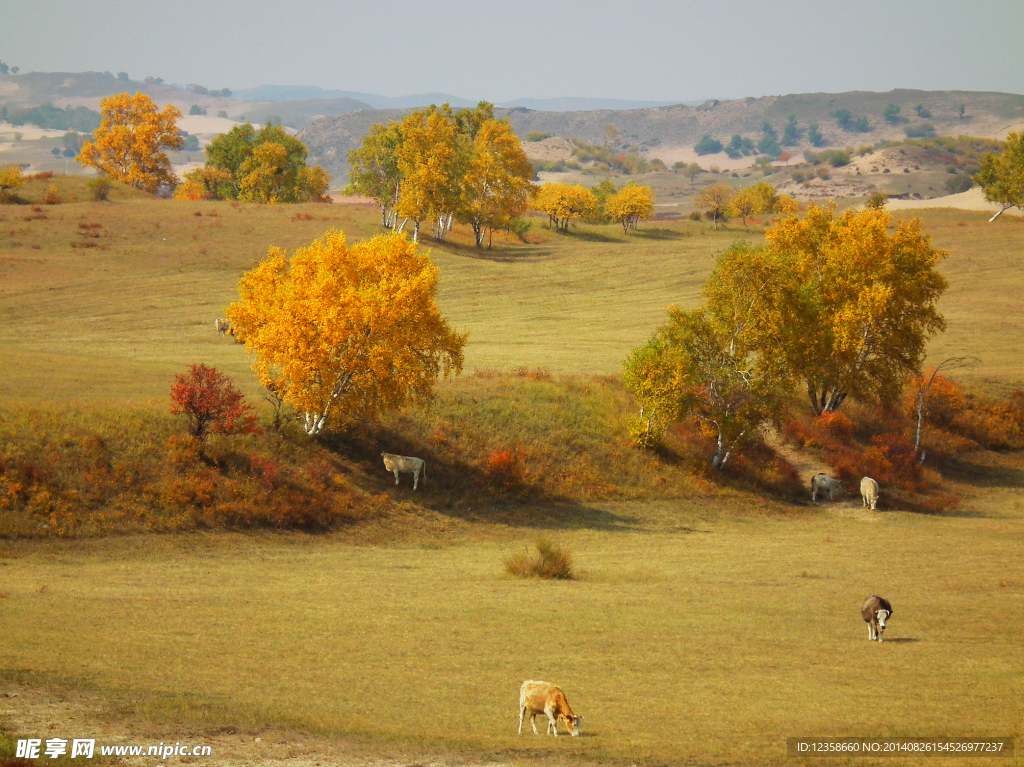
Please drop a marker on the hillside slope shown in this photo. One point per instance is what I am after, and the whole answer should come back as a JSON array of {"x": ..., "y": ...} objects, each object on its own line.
[{"x": 658, "y": 130}]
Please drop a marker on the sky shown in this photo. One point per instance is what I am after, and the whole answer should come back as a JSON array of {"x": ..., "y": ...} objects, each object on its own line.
[{"x": 658, "y": 50}]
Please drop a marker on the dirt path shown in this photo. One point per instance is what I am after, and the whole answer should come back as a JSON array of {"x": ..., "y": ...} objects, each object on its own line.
[{"x": 808, "y": 464}]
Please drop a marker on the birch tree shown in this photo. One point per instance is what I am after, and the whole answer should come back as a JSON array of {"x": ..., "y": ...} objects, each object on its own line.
[{"x": 344, "y": 333}]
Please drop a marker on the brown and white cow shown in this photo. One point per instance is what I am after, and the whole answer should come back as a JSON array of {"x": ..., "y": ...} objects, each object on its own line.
[
  {"x": 876, "y": 611},
  {"x": 869, "y": 492},
  {"x": 544, "y": 698}
]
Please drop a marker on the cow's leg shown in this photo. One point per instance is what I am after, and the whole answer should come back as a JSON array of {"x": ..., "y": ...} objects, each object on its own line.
[
  {"x": 522, "y": 713},
  {"x": 396, "y": 477},
  {"x": 415, "y": 478},
  {"x": 533, "y": 723}
]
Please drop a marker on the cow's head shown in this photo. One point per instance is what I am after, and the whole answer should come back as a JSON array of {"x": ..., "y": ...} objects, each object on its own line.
[
  {"x": 572, "y": 724},
  {"x": 882, "y": 616}
]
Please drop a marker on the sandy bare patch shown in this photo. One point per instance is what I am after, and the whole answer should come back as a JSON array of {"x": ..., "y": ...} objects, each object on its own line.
[
  {"x": 183, "y": 168},
  {"x": 205, "y": 125},
  {"x": 28, "y": 132},
  {"x": 972, "y": 199},
  {"x": 549, "y": 150},
  {"x": 342, "y": 199}
]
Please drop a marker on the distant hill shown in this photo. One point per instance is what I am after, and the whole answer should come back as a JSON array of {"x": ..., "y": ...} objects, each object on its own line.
[
  {"x": 278, "y": 93},
  {"x": 659, "y": 131},
  {"x": 580, "y": 104},
  {"x": 281, "y": 93}
]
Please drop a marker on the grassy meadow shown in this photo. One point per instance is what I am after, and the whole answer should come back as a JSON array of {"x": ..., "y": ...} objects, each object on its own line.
[{"x": 708, "y": 621}]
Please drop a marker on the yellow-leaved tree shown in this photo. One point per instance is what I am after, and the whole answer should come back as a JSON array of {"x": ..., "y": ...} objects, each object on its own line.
[
  {"x": 630, "y": 205},
  {"x": 754, "y": 200},
  {"x": 497, "y": 184},
  {"x": 10, "y": 179},
  {"x": 128, "y": 146},
  {"x": 1002, "y": 176},
  {"x": 706, "y": 364},
  {"x": 846, "y": 306},
  {"x": 564, "y": 204},
  {"x": 426, "y": 159},
  {"x": 346, "y": 332},
  {"x": 714, "y": 200},
  {"x": 269, "y": 175}
]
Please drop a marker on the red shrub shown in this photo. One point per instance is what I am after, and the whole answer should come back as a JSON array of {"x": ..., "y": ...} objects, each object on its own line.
[
  {"x": 503, "y": 467},
  {"x": 836, "y": 425},
  {"x": 211, "y": 403}
]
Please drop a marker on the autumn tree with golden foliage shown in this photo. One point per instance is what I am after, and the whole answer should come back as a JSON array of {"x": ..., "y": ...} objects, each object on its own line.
[
  {"x": 11, "y": 178},
  {"x": 1002, "y": 176},
  {"x": 497, "y": 184},
  {"x": 267, "y": 166},
  {"x": 346, "y": 332},
  {"x": 427, "y": 159},
  {"x": 128, "y": 146},
  {"x": 847, "y": 307},
  {"x": 440, "y": 166},
  {"x": 704, "y": 364},
  {"x": 630, "y": 205},
  {"x": 564, "y": 204},
  {"x": 202, "y": 183},
  {"x": 714, "y": 200}
]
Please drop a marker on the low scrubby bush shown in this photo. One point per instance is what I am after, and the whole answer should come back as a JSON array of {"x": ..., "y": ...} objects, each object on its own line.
[{"x": 549, "y": 560}]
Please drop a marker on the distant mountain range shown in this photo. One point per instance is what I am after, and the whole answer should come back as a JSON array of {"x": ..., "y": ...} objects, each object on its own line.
[
  {"x": 280, "y": 93},
  {"x": 656, "y": 131}
]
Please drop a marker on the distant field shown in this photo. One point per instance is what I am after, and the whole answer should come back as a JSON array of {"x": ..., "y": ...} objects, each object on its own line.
[{"x": 115, "y": 316}]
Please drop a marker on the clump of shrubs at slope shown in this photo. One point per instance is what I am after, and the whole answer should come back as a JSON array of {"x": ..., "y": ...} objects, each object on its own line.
[
  {"x": 67, "y": 474},
  {"x": 879, "y": 443},
  {"x": 757, "y": 467}
]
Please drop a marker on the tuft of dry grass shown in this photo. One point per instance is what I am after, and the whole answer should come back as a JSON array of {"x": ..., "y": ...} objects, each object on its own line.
[{"x": 550, "y": 560}]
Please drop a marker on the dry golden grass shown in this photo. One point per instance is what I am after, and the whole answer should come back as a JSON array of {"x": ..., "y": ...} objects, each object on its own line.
[
  {"x": 709, "y": 646},
  {"x": 703, "y": 627},
  {"x": 116, "y": 315}
]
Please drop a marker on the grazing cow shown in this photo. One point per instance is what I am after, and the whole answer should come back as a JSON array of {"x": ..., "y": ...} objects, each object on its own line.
[
  {"x": 876, "y": 611},
  {"x": 821, "y": 483},
  {"x": 223, "y": 326},
  {"x": 415, "y": 466},
  {"x": 869, "y": 492},
  {"x": 543, "y": 698}
]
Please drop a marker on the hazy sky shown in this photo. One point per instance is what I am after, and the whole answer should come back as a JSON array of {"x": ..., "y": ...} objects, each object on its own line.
[{"x": 673, "y": 50}]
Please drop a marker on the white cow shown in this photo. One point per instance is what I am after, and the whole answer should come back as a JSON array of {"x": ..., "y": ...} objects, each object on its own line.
[
  {"x": 821, "y": 483},
  {"x": 869, "y": 492},
  {"x": 406, "y": 463},
  {"x": 544, "y": 698}
]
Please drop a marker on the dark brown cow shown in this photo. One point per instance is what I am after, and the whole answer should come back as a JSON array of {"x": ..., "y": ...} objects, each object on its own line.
[{"x": 876, "y": 611}]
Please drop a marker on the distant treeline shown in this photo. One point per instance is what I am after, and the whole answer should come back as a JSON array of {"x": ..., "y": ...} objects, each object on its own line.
[{"x": 81, "y": 119}]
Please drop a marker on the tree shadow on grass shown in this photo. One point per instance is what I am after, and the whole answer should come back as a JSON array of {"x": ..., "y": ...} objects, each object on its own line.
[
  {"x": 503, "y": 255},
  {"x": 466, "y": 491},
  {"x": 901, "y": 640},
  {"x": 660, "y": 234},
  {"x": 587, "y": 235},
  {"x": 982, "y": 475}
]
